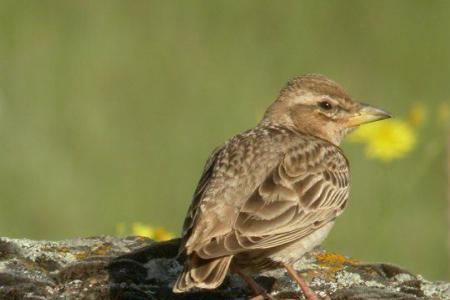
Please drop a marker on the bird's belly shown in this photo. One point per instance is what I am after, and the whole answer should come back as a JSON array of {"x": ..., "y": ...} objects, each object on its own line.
[
  {"x": 258, "y": 260},
  {"x": 294, "y": 251}
]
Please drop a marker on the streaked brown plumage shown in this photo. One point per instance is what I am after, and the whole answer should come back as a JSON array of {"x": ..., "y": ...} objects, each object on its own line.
[{"x": 272, "y": 193}]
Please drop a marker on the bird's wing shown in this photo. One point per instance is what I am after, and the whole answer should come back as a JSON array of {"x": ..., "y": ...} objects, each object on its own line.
[
  {"x": 231, "y": 175},
  {"x": 306, "y": 190},
  {"x": 201, "y": 186}
]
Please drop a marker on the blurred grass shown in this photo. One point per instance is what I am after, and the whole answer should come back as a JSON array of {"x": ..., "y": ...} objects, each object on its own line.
[{"x": 108, "y": 110}]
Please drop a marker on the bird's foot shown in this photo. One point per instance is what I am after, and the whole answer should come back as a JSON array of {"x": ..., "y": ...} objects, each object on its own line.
[
  {"x": 306, "y": 290},
  {"x": 264, "y": 296},
  {"x": 260, "y": 292}
]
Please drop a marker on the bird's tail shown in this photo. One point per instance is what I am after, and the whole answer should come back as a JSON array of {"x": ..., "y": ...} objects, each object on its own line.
[{"x": 202, "y": 273}]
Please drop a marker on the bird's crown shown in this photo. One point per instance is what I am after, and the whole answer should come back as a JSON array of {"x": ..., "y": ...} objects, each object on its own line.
[{"x": 315, "y": 84}]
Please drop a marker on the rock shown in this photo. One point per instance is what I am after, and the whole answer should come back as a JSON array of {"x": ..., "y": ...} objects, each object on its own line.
[{"x": 136, "y": 268}]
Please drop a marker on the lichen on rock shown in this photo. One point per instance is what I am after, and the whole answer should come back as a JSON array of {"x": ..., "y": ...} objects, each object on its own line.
[{"x": 134, "y": 268}]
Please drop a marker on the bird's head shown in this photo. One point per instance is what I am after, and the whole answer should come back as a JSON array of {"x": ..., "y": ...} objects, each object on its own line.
[{"x": 315, "y": 105}]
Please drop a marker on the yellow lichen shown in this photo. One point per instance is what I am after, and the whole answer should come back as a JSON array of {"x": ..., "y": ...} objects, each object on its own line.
[
  {"x": 100, "y": 249},
  {"x": 63, "y": 250},
  {"x": 80, "y": 255},
  {"x": 333, "y": 261}
]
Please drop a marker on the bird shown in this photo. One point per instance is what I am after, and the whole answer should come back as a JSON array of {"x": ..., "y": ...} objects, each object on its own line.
[{"x": 270, "y": 194}]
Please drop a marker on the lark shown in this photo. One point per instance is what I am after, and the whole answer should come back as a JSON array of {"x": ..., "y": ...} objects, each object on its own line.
[{"x": 270, "y": 194}]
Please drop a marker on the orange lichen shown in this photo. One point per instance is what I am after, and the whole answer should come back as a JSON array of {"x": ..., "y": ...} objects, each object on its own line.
[
  {"x": 334, "y": 261},
  {"x": 100, "y": 249},
  {"x": 80, "y": 255},
  {"x": 64, "y": 249}
]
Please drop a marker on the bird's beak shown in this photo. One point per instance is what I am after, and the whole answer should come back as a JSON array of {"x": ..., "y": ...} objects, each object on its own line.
[{"x": 366, "y": 114}]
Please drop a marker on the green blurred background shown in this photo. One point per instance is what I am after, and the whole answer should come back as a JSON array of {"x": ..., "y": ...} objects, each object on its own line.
[{"x": 108, "y": 110}]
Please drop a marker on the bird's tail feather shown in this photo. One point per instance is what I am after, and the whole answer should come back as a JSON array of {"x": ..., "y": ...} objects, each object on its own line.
[{"x": 202, "y": 273}]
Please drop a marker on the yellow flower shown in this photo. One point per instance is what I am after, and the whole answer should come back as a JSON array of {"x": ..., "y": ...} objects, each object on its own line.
[
  {"x": 162, "y": 235},
  {"x": 386, "y": 140},
  {"x": 140, "y": 229},
  {"x": 417, "y": 114}
]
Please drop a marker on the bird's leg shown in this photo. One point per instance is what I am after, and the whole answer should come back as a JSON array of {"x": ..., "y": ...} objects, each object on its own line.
[
  {"x": 259, "y": 291},
  {"x": 307, "y": 291}
]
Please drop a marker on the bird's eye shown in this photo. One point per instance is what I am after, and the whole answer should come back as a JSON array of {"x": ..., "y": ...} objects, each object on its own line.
[{"x": 325, "y": 105}]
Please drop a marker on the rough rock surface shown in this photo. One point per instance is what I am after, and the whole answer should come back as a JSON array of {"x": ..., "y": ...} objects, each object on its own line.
[{"x": 137, "y": 268}]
